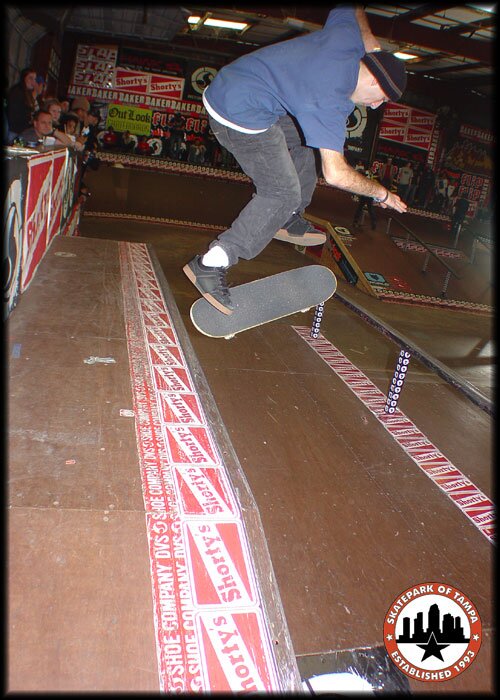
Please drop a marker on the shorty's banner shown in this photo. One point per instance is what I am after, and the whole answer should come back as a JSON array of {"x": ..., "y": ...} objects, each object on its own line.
[
  {"x": 153, "y": 84},
  {"x": 197, "y": 75},
  {"x": 102, "y": 80},
  {"x": 126, "y": 118},
  {"x": 407, "y": 125}
]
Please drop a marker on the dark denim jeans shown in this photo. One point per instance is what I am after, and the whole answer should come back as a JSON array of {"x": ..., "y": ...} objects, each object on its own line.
[{"x": 283, "y": 171}]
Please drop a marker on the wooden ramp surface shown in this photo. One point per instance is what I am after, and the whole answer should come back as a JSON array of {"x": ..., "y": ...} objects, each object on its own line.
[
  {"x": 349, "y": 516},
  {"x": 130, "y": 567},
  {"x": 351, "y": 519}
]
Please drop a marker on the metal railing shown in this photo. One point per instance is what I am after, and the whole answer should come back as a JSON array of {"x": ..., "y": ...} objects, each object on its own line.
[
  {"x": 410, "y": 233},
  {"x": 486, "y": 242},
  {"x": 408, "y": 345}
]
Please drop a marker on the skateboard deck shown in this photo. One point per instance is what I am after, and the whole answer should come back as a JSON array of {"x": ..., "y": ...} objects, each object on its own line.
[{"x": 265, "y": 300}]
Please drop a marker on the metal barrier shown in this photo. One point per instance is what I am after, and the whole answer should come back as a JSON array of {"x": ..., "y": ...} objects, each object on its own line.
[
  {"x": 486, "y": 242},
  {"x": 408, "y": 346},
  {"x": 410, "y": 233}
]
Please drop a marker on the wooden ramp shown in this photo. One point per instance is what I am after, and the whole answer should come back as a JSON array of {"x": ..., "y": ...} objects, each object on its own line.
[
  {"x": 336, "y": 256},
  {"x": 355, "y": 510},
  {"x": 137, "y": 560}
]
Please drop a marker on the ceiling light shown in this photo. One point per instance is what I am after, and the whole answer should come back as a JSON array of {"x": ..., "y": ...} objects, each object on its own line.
[
  {"x": 485, "y": 8},
  {"x": 404, "y": 56},
  {"x": 223, "y": 23}
]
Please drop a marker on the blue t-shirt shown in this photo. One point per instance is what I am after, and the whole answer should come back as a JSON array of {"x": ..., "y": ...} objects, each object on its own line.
[{"x": 310, "y": 77}]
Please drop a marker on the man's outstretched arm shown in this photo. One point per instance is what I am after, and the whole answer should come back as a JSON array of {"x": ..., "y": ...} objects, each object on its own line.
[
  {"x": 338, "y": 173},
  {"x": 370, "y": 42}
]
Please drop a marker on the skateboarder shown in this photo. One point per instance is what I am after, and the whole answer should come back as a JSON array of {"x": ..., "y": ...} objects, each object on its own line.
[{"x": 270, "y": 109}]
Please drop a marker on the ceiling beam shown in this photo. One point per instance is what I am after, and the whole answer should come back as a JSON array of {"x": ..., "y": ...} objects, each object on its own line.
[
  {"x": 403, "y": 31},
  {"x": 456, "y": 68},
  {"x": 416, "y": 35},
  {"x": 485, "y": 23},
  {"x": 421, "y": 11}
]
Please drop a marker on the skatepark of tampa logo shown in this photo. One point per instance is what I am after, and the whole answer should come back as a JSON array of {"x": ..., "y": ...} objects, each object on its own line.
[{"x": 432, "y": 632}]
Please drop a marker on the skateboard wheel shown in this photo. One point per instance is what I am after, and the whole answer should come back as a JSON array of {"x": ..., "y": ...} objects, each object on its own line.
[
  {"x": 302, "y": 311},
  {"x": 228, "y": 337}
]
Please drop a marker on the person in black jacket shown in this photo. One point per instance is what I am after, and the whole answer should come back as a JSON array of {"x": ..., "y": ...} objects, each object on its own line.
[{"x": 21, "y": 102}]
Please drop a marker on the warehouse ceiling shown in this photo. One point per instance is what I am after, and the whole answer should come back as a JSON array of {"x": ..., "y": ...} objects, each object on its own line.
[{"x": 451, "y": 43}]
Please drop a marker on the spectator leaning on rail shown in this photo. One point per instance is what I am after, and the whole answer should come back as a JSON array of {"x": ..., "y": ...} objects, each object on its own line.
[
  {"x": 21, "y": 103},
  {"x": 53, "y": 106},
  {"x": 81, "y": 107},
  {"x": 42, "y": 133},
  {"x": 270, "y": 109}
]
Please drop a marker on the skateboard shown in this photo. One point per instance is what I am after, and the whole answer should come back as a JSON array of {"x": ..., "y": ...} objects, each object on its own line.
[{"x": 265, "y": 300}]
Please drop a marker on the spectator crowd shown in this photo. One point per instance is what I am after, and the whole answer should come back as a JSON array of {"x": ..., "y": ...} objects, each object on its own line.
[
  {"x": 33, "y": 118},
  {"x": 419, "y": 186}
]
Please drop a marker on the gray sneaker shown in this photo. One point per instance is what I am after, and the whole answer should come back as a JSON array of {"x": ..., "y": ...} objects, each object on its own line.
[
  {"x": 211, "y": 283},
  {"x": 299, "y": 231}
]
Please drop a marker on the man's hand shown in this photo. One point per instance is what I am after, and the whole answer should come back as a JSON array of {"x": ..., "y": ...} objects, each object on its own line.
[
  {"x": 338, "y": 173},
  {"x": 393, "y": 202}
]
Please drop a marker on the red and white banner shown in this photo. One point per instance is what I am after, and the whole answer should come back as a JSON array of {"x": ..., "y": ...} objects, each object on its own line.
[
  {"x": 211, "y": 633},
  {"x": 153, "y": 84},
  {"x": 96, "y": 75},
  {"x": 59, "y": 165},
  {"x": 413, "y": 127},
  {"x": 43, "y": 208}
]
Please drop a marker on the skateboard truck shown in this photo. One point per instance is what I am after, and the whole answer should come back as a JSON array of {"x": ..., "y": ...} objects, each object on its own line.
[
  {"x": 318, "y": 315},
  {"x": 397, "y": 382}
]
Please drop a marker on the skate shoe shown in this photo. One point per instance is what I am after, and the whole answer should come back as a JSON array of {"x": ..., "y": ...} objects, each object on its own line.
[
  {"x": 299, "y": 231},
  {"x": 211, "y": 283}
]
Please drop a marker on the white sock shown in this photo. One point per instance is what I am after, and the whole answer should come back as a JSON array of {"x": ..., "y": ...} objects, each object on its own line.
[{"x": 216, "y": 257}]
